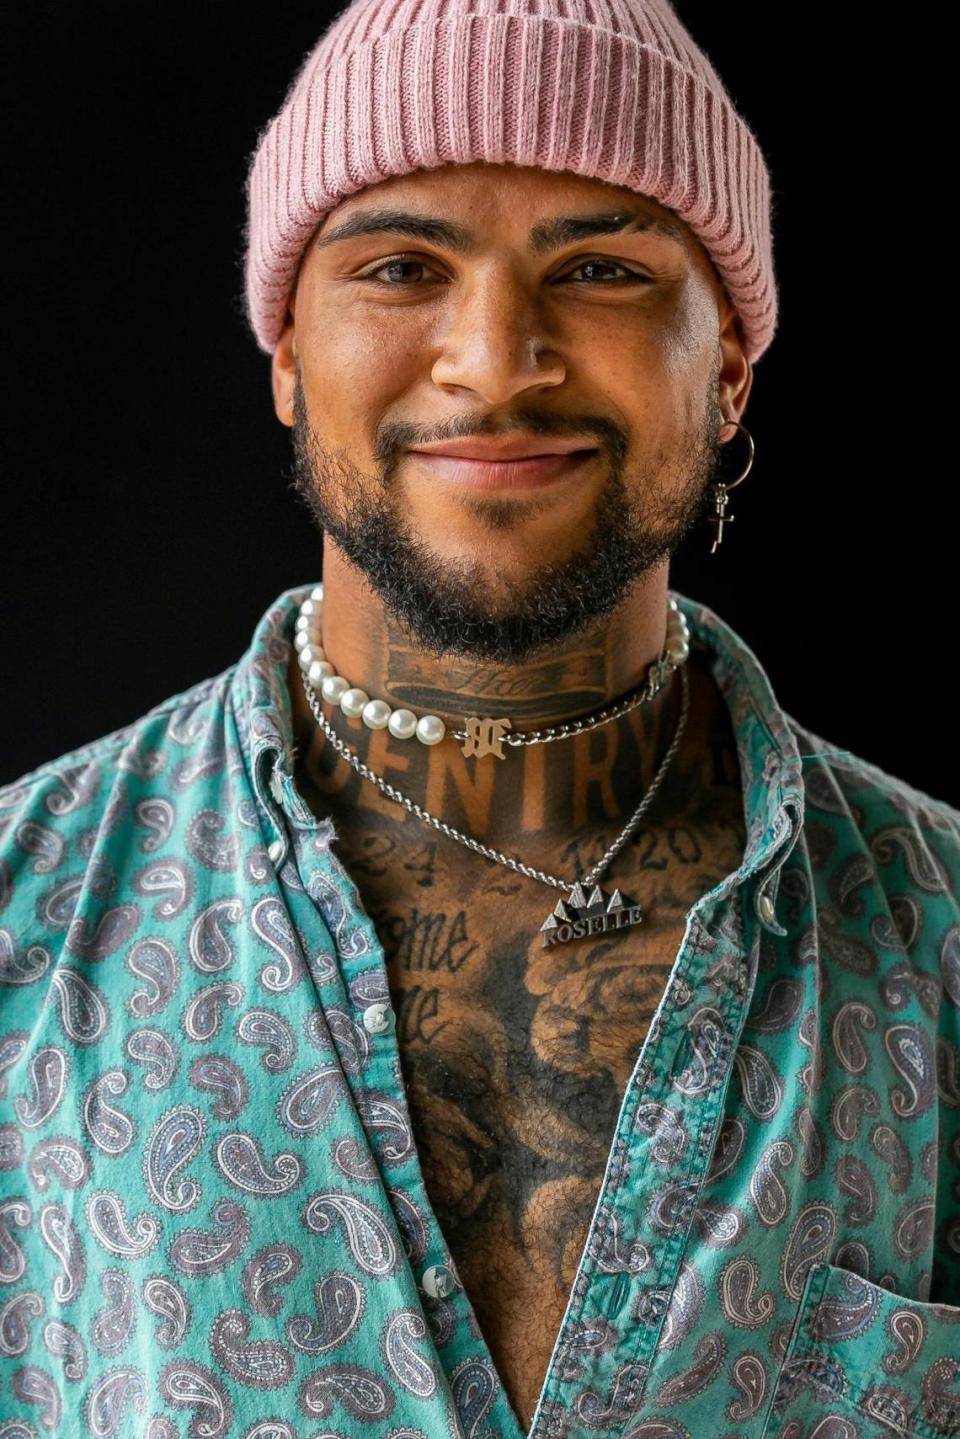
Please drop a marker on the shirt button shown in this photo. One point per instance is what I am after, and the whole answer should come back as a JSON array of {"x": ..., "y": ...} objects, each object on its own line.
[
  {"x": 379, "y": 1018},
  {"x": 438, "y": 1281},
  {"x": 275, "y": 851},
  {"x": 767, "y": 911}
]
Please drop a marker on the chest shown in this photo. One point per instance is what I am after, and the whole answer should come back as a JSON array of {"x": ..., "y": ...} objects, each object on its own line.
[
  {"x": 515, "y": 1060},
  {"x": 514, "y": 1100}
]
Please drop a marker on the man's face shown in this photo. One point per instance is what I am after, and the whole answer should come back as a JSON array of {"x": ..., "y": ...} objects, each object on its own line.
[{"x": 615, "y": 338}]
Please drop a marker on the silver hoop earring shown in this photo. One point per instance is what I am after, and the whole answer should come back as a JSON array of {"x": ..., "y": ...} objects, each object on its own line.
[{"x": 721, "y": 490}]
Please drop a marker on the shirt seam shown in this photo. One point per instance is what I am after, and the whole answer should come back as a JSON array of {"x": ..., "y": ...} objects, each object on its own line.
[
  {"x": 920, "y": 1426},
  {"x": 720, "y": 1077},
  {"x": 721, "y": 1067},
  {"x": 803, "y": 1344}
]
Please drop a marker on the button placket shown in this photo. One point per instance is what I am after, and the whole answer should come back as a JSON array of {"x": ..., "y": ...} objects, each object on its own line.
[
  {"x": 644, "y": 1287},
  {"x": 353, "y": 982},
  {"x": 361, "y": 964},
  {"x": 701, "y": 1112}
]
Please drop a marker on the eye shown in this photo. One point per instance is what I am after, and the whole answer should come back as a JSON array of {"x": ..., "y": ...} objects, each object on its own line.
[
  {"x": 610, "y": 265},
  {"x": 399, "y": 262}
]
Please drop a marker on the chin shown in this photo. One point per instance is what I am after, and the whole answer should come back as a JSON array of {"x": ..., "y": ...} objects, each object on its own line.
[
  {"x": 496, "y": 527},
  {"x": 492, "y": 587},
  {"x": 503, "y": 562}
]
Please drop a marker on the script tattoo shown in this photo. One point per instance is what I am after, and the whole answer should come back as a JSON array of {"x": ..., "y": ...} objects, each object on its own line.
[
  {"x": 552, "y": 686},
  {"x": 419, "y": 941},
  {"x": 418, "y": 1012}
]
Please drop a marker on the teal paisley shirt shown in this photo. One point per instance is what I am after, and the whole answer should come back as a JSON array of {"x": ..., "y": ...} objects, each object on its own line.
[{"x": 213, "y": 1220}]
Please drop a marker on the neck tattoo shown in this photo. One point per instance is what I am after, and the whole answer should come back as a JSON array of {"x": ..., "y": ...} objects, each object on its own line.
[{"x": 581, "y": 914}]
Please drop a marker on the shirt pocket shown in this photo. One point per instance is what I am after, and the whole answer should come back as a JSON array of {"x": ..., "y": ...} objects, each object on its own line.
[{"x": 862, "y": 1363}]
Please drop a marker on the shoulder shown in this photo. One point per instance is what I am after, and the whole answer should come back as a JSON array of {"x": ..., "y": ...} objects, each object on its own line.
[
  {"x": 880, "y": 880},
  {"x": 848, "y": 797},
  {"x": 56, "y": 812}
]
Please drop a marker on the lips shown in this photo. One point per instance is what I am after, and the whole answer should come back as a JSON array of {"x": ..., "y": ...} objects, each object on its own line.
[
  {"x": 500, "y": 452},
  {"x": 530, "y": 471}
]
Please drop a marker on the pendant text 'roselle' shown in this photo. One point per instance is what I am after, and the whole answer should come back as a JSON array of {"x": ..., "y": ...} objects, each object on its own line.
[{"x": 578, "y": 917}]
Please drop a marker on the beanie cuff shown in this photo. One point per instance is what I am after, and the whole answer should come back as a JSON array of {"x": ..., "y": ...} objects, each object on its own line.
[{"x": 502, "y": 88}]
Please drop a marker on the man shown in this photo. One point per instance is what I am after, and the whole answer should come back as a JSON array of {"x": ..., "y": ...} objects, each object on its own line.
[{"x": 482, "y": 1010}]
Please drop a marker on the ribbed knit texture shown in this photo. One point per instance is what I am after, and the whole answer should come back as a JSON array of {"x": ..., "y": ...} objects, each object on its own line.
[{"x": 612, "y": 89}]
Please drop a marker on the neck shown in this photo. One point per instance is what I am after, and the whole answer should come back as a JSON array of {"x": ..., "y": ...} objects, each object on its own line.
[
  {"x": 577, "y": 676},
  {"x": 576, "y": 791}
]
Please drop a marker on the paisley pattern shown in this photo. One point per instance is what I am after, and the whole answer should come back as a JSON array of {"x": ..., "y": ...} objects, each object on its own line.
[
  {"x": 213, "y": 1222},
  {"x": 850, "y": 1359}
]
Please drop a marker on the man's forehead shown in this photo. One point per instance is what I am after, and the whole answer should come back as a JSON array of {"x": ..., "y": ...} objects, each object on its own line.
[
  {"x": 556, "y": 213},
  {"x": 485, "y": 182}
]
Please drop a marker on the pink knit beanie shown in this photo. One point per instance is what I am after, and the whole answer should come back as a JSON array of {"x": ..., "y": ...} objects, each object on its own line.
[{"x": 612, "y": 89}]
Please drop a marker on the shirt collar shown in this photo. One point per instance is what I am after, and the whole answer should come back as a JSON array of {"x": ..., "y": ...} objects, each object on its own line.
[
  {"x": 770, "y": 761},
  {"x": 261, "y": 702}
]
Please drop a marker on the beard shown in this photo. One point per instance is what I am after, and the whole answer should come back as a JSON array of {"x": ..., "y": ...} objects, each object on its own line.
[{"x": 454, "y": 607}]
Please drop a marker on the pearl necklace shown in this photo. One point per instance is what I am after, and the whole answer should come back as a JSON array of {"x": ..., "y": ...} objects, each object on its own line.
[
  {"x": 574, "y": 917},
  {"x": 579, "y": 914},
  {"x": 480, "y": 736}
]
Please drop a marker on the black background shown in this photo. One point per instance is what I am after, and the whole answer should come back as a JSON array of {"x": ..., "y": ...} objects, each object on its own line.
[{"x": 148, "y": 518}]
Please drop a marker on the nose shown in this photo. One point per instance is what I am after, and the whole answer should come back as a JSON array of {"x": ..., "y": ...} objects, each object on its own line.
[{"x": 494, "y": 345}]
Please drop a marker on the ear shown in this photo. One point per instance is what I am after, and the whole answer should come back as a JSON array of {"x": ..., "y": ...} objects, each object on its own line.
[
  {"x": 283, "y": 372},
  {"x": 736, "y": 372}
]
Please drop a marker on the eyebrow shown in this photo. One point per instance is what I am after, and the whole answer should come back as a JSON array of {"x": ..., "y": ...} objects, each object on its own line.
[{"x": 546, "y": 235}]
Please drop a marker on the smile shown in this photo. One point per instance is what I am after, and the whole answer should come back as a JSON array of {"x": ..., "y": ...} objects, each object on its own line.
[{"x": 530, "y": 473}]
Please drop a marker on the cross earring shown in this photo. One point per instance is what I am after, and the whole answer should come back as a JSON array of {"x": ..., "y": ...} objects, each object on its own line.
[{"x": 720, "y": 491}]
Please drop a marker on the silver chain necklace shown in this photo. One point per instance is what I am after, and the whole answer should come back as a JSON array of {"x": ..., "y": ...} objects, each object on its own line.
[
  {"x": 481, "y": 735},
  {"x": 578, "y": 916}
]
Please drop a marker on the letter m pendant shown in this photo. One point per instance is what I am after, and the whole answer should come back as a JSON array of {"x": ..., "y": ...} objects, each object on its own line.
[{"x": 485, "y": 736}]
